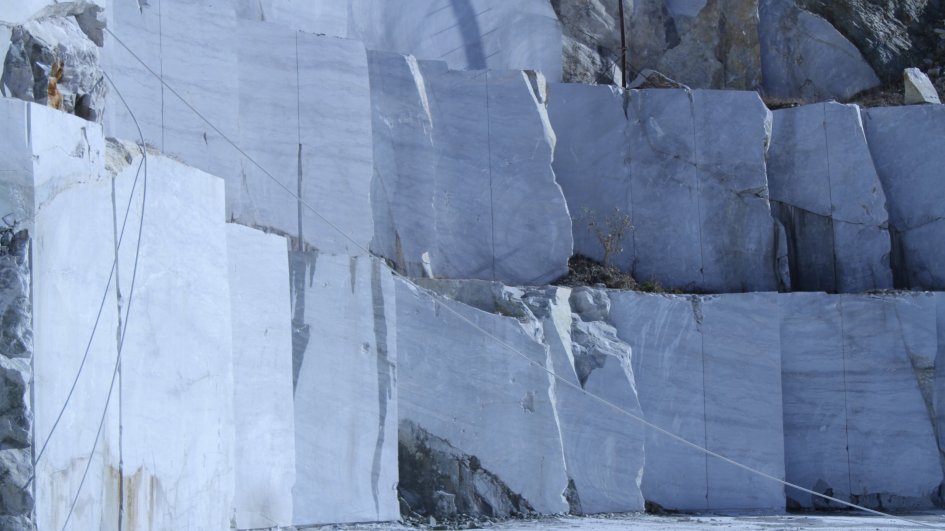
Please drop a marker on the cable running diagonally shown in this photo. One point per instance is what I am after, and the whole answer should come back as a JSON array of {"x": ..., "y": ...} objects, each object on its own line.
[{"x": 124, "y": 333}]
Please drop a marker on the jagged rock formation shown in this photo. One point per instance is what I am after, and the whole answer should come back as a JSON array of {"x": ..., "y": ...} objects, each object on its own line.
[
  {"x": 707, "y": 44},
  {"x": 40, "y": 42},
  {"x": 16, "y": 351}
]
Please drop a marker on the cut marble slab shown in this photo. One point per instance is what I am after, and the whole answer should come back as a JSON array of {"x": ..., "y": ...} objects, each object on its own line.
[
  {"x": 685, "y": 350},
  {"x": 910, "y": 171},
  {"x": 852, "y": 391},
  {"x": 687, "y": 169},
  {"x": 827, "y": 194},
  {"x": 346, "y": 393},
  {"x": 173, "y": 398},
  {"x": 463, "y": 172},
  {"x": 264, "y": 424}
]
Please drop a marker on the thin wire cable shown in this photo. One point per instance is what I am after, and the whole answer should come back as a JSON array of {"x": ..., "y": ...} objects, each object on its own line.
[
  {"x": 88, "y": 346},
  {"x": 131, "y": 292},
  {"x": 511, "y": 348}
]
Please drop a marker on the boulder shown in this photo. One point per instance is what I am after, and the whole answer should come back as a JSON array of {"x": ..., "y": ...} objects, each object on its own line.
[
  {"x": 826, "y": 193},
  {"x": 919, "y": 89},
  {"x": 804, "y": 57},
  {"x": 35, "y": 46}
]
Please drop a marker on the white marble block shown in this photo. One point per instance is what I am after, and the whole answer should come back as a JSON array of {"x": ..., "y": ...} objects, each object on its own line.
[
  {"x": 345, "y": 347},
  {"x": 264, "y": 424}
]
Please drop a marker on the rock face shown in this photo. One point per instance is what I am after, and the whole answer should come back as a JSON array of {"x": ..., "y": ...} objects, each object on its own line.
[
  {"x": 827, "y": 195},
  {"x": 696, "y": 156},
  {"x": 918, "y": 87},
  {"x": 702, "y": 43},
  {"x": 467, "y": 34},
  {"x": 892, "y": 35},
  {"x": 853, "y": 388},
  {"x": 34, "y": 47},
  {"x": 345, "y": 359},
  {"x": 264, "y": 424},
  {"x": 501, "y": 413},
  {"x": 311, "y": 131},
  {"x": 686, "y": 350},
  {"x": 910, "y": 173},
  {"x": 805, "y": 57},
  {"x": 16, "y": 350},
  {"x": 452, "y": 179}
]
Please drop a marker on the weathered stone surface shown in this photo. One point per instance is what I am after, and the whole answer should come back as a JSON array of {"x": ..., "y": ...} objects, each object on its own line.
[
  {"x": 687, "y": 351},
  {"x": 468, "y": 35},
  {"x": 35, "y": 45},
  {"x": 910, "y": 173},
  {"x": 918, "y": 87},
  {"x": 939, "y": 381},
  {"x": 501, "y": 413},
  {"x": 463, "y": 172},
  {"x": 856, "y": 425},
  {"x": 703, "y": 44},
  {"x": 346, "y": 394},
  {"x": 89, "y": 15},
  {"x": 804, "y": 57},
  {"x": 264, "y": 424},
  {"x": 826, "y": 193},
  {"x": 688, "y": 168},
  {"x": 891, "y": 35},
  {"x": 16, "y": 349},
  {"x": 604, "y": 450}
]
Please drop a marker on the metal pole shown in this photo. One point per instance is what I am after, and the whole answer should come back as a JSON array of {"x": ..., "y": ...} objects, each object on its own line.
[{"x": 623, "y": 46}]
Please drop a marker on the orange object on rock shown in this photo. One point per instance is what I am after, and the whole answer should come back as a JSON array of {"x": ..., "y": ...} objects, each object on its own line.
[{"x": 54, "y": 99}]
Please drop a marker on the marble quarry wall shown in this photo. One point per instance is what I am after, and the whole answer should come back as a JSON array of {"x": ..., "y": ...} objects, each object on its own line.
[{"x": 352, "y": 316}]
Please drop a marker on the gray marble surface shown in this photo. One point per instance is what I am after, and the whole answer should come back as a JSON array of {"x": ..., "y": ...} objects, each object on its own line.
[
  {"x": 910, "y": 173},
  {"x": 827, "y": 194},
  {"x": 463, "y": 172},
  {"x": 688, "y": 168}
]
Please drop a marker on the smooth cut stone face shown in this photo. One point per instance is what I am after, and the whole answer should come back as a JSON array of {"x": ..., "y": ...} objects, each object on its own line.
[
  {"x": 345, "y": 334},
  {"x": 852, "y": 390},
  {"x": 451, "y": 181},
  {"x": 829, "y": 198},
  {"x": 910, "y": 175},
  {"x": 264, "y": 424}
]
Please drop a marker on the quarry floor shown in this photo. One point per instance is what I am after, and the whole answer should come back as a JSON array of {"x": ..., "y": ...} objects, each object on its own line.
[{"x": 692, "y": 522}]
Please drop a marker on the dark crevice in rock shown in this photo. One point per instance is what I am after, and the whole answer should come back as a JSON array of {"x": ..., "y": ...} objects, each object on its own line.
[{"x": 435, "y": 476}]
